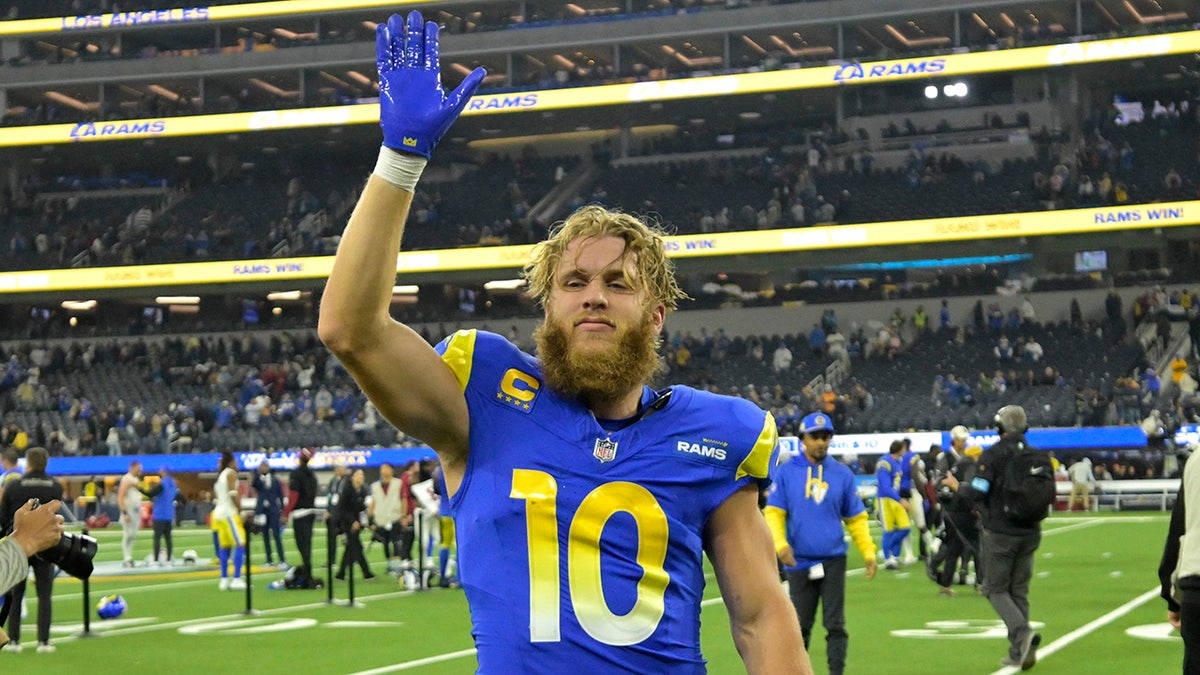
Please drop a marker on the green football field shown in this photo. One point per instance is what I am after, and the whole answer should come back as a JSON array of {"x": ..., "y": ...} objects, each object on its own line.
[{"x": 1095, "y": 591}]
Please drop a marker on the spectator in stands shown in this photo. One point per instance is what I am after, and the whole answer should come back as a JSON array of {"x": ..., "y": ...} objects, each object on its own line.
[
  {"x": 225, "y": 415},
  {"x": 920, "y": 320},
  {"x": 816, "y": 340},
  {"x": 835, "y": 346},
  {"x": 995, "y": 318},
  {"x": 944, "y": 315},
  {"x": 1151, "y": 385},
  {"x": 999, "y": 383},
  {"x": 1033, "y": 350},
  {"x": 937, "y": 393},
  {"x": 1050, "y": 377},
  {"x": 1003, "y": 351},
  {"x": 829, "y": 322},
  {"x": 323, "y": 403},
  {"x": 957, "y": 392},
  {"x": 986, "y": 388},
  {"x": 1013, "y": 322},
  {"x": 1173, "y": 183},
  {"x": 782, "y": 359},
  {"x": 254, "y": 410}
]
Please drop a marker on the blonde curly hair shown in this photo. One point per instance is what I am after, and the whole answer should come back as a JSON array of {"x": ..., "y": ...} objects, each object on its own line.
[{"x": 655, "y": 272}]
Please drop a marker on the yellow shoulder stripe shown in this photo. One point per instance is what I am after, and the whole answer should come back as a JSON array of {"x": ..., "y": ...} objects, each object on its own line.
[
  {"x": 758, "y": 462},
  {"x": 460, "y": 351}
]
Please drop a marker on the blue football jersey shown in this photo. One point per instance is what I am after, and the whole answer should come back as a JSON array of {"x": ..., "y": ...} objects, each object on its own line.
[{"x": 580, "y": 550}]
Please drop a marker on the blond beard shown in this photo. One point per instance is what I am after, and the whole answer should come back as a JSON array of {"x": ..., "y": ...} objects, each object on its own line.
[{"x": 602, "y": 374}]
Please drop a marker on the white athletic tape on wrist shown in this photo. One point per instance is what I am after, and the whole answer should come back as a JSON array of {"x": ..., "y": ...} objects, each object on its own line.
[{"x": 400, "y": 168}]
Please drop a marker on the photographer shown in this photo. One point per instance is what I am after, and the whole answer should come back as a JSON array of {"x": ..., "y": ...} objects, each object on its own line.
[
  {"x": 35, "y": 484},
  {"x": 33, "y": 531}
]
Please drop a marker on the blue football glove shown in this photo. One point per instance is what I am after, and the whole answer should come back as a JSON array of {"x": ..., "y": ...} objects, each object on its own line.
[{"x": 414, "y": 111}]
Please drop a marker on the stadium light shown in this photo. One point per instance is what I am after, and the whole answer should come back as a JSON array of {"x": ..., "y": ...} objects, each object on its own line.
[
  {"x": 504, "y": 285},
  {"x": 953, "y": 90},
  {"x": 931, "y": 91},
  {"x": 79, "y": 305},
  {"x": 284, "y": 296},
  {"x": 177, "y": 300},
  {"x": 405, "y": 290}
]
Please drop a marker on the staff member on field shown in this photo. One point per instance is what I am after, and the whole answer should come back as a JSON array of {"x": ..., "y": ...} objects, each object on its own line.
[{"x": 809, "y": 499}]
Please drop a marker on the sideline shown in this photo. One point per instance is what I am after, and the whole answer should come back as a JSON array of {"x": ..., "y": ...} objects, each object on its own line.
[
  {"x": 229, "y": 617},
  {"x": 1088, "y": 628}
]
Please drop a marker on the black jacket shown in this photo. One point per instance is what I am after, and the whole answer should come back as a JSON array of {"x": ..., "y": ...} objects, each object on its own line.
[
  {"x": 985, "y": 494},
  {"x": 304, "y": 482},
  {"x": 963, "y": 468},
  {"x": 30, "y": 486},
  {"x": 351, "y": 502}
]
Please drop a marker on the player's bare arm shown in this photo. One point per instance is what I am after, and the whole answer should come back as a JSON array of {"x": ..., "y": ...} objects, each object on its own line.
[
  {"x": 401, "y": 374},
  {"x": 764, "y": 624}
]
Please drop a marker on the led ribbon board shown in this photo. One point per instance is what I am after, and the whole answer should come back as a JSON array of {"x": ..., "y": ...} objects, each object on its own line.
[
  {"x": 186, "y": 15},
  {"x": 846, "y": 74},
  {"x": 966, "y": 228}
]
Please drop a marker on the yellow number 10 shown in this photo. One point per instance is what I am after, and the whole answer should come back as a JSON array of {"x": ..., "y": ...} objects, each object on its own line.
[{"x": 540, "y": 492}]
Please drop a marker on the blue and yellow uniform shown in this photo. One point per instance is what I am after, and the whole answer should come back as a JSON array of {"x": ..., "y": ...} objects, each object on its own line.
[
  {"x": 446, "y": 567},
  {"x": 895, "y": 518},
  {"x": 581, "y": 540},
  {"x": 815, "y": 499}
]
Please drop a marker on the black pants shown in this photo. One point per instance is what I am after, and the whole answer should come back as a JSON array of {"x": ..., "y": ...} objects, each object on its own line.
[
  {"x": 162, "y": 530},
  {"x": 830, "y": 591},
  {"x": 353, "y": 554},
  {"x": 962, "y": 536},
  {"x": 43, "y": 576},
  {"x": 1008, "y": 570},
  {"x": 405, "y": 543},
  {"x": 1189, "y": 628},
  {"x": 303, "y": 528},
  {"x": 391, "y": 540}
]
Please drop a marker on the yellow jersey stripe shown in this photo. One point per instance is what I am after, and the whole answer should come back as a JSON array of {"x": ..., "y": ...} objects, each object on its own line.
[
  {"x": 460, "y": 351},
  {"x": 758, "y": 463}
]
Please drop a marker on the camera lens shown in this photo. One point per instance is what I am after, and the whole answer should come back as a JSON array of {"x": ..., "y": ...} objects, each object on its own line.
[{"x": 73, "y": 554}]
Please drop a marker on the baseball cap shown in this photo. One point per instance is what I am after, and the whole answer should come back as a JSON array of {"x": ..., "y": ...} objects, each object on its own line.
[
  {"x": 816, "y": 422},
  {"x": 959, "y": 433}
]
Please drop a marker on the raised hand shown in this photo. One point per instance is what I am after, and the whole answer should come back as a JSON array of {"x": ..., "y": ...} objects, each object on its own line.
[{"x": 414, "y": 111}]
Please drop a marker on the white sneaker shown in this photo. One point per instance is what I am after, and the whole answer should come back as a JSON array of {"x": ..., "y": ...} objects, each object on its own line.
[
  {"x": 283, "y": 565},
  {"x": 46, "y": 648},
  {"x": 236, "y": 584},
  {"x": 223, "y": 584},
  {"x": 908, "y": 559},
  {"x": 14, "y": 647}
]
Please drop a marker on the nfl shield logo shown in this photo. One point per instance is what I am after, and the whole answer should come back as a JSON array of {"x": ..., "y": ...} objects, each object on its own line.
[{"x": 606, "y": 449}]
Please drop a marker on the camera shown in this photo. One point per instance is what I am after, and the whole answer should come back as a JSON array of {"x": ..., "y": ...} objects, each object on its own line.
[{"x": 73, "y": 553}]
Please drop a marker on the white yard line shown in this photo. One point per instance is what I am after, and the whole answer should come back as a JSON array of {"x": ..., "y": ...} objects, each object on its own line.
[
  {"x": 1088, "y": 628},
  {"x": 136, "y": 589},
  {"x": 408, "y": 665},
  {"x": 228, "y": 617}
]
